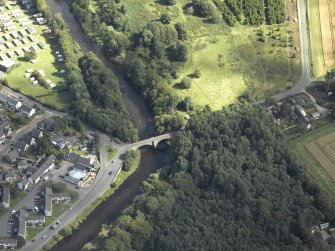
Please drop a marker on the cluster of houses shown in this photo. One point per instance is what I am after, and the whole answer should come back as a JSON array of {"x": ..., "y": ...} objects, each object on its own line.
[
  {"x": 300, "y": 114},
  {"x": 16, "y": 105},
  {"x": 8, "y": 243}
]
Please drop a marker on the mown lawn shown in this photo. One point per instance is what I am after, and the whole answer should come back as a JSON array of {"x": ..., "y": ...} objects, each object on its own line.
[
  {"x": 314, "y": 168},
  {"x": 231, "y": 59},
  {"x": 57, "y": 97}
]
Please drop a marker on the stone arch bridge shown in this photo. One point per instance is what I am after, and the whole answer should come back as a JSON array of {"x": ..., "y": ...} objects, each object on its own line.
[{"x": 152, "y": 142}]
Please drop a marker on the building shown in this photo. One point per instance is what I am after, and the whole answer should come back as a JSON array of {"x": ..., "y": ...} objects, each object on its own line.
[
  {"x": 22, "y": 228},
  {"x": 10, "y": 177},
  {"x": 21, "y": 146},
  {"x": 5, "y": 194},
  {"x": 46, "y": 124},
  {"x": 31, "y": 30},
  {"x": 28, "y": 139},
  {"x": 8, "y": 243},
  {"x": 60, "y": 143},
  {"x": 76, "y": 176},
  {"x": 5, "y": 127},
  {"x": 60, "y": 198},
  {"x": 22, "y": 164},
  {"x": 72, "y": 157},
  {"x": 315, "y": 115},
  {"x": 12, "y": 156},
  {"x": 2, "y": 137},
  {"x": 35, "y": 220},
  {"x": 23, "y": 184},
  {"x": 48, "y": 202},
  {"x": 6, "y": 65},
  {"x": 41, "y": 45},
  {"x": 27, "y": 110},
  {"x": 46, "y": 166},
  {"x": 300, "y": 114},
  {"x": 36, "y": 134},
  {"x": 10, "y": 102}
]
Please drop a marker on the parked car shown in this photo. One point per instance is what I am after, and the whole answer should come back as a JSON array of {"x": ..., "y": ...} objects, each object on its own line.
[
  {"x": 13, "y": 212},
  {"x": 44, "y": 236}
]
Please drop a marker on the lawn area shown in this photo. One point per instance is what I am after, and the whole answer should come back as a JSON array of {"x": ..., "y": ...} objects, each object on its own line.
[
  {"x": 231, "y": 60},
  {"x": 33, "y": 231},
  {"x": 19, "y": 195},
  {"x": 318, "y": 63},
  {"x": 56, "y": 97},
  {"x": 305, "y": 157}
]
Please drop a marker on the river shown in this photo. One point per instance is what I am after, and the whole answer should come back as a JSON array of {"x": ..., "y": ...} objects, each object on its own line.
[
  {"x": 142, "y": 119},
  {"x": 141, "y": 116}
]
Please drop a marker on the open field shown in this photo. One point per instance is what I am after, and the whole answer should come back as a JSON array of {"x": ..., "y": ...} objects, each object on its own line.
[
  {"x": 232, "y": 60},
  {"x": 46, "y": 60},
  {"x": 305, "y": 144},
  {"x": 321, "y": 35},
  {"x": 326, "y": 7}
]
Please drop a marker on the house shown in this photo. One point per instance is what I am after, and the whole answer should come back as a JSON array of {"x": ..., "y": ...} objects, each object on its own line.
[
  {"x": 2, "y": 137},
  {"x": 324, "y": 225},
  {"x": 46, "y": 124},
  {"x": 22, "y": 164},
  {"x": 47, "y": 201},
  {"x": 16, "y": 42},
  {"x": 60, "y": 143},
  {"x": 8, "y": 45},
  {"x": 60, "y": 198},
  {"x": 9, "y": 101},
  {"x": 28, "y": 139},
  {"x": 5, "y": 194},
  {"x": 31, "y": 30},
  {"x": 6, "y": 37},
  {"x": 315, "y": 115},
  {"x": 85, "y": 161},
  {"x": 23, "y": 185},
  {"x": 72, "y": 157},
  {"x": 22, "y": 228},
  {"x": 300, "y": 114},
  {"x": 31, "y": 38},
  {"x": 6, "y": 65},
  {"x": 41, "y": 45},
  {"x": 35, "y": 220},
  {"x": 23, "y": 33},
  {"x": 31, "y": 170},
  {"x": 46, "y": 166},
  {"x": 82, "y": 167},
  {"x": 10, "y": 54},
  {"x": 8, "y": 243},
  {"x": 10, "y": 177},
  {"x": 21, "y": 146},
  {"x": 5, "y": 127},
  {"x": 27, "y": 110},
  {"x": 12, "y": 156},
  {"x": 2, "y": 56},
  {"x": 37, "y": 134}
]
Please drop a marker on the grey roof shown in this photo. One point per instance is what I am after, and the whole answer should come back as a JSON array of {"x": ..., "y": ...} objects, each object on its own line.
[
  {"x": 31, "y": 169},
  {"x": 26, "y": 108},
  {"x": 84, "y": 160},
  {"x": 35, "y": 218},
  {"x": 73, "y": 157},
  {"x": 41, "y": 45},
  {"x": 6, "y": 242},
  {"x": 13, "y": 155},
  {"x": 81, "y": 166},
  {"x": 46, "y": 124},
  {"x": 59, "y": 195},
  {"x": 6, "y": 194},
  {"x": 22, "y": 162},
  {"x": 27, "y": 138},
  {"x": 35, "y": 133},
  {"x": 45, "y": 165},
  {"x": 3, "y": 125},
  {"x": 8, "y": 99},
  {"x": 10, "y": 174},
  {"x": 22, "y": 227},
  {"x": 20, "y": 145},
  {"x": 298, "y": 112}
]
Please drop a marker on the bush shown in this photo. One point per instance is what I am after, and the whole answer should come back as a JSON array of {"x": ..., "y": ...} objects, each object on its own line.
[
  {"x": 131, "y": 158},
  {"x": 186, "y": 83}
]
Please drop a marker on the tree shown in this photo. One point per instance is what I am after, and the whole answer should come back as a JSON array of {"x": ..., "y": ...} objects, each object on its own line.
[
  {"x": 131, "y": 158},
  {"x": 182, "y": 32},
  {"x": 30, "y": 55},
  {"x": 186, "y": 83},
  {"x": 180, "y": 52},
  {"x": 165, "y": 18}
]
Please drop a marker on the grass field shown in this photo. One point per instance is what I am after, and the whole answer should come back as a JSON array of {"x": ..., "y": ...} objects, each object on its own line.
[
  {"x": 300, "y": 147},
  {"x": 231, "y": 60},
  {"x": 57, "y": 97},
  {"x": 320, "y": 36}
]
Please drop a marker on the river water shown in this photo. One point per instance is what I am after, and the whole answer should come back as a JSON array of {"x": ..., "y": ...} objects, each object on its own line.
[
  {"x": 142, "y": 119},
  {"x": 141, "y": 116}
]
